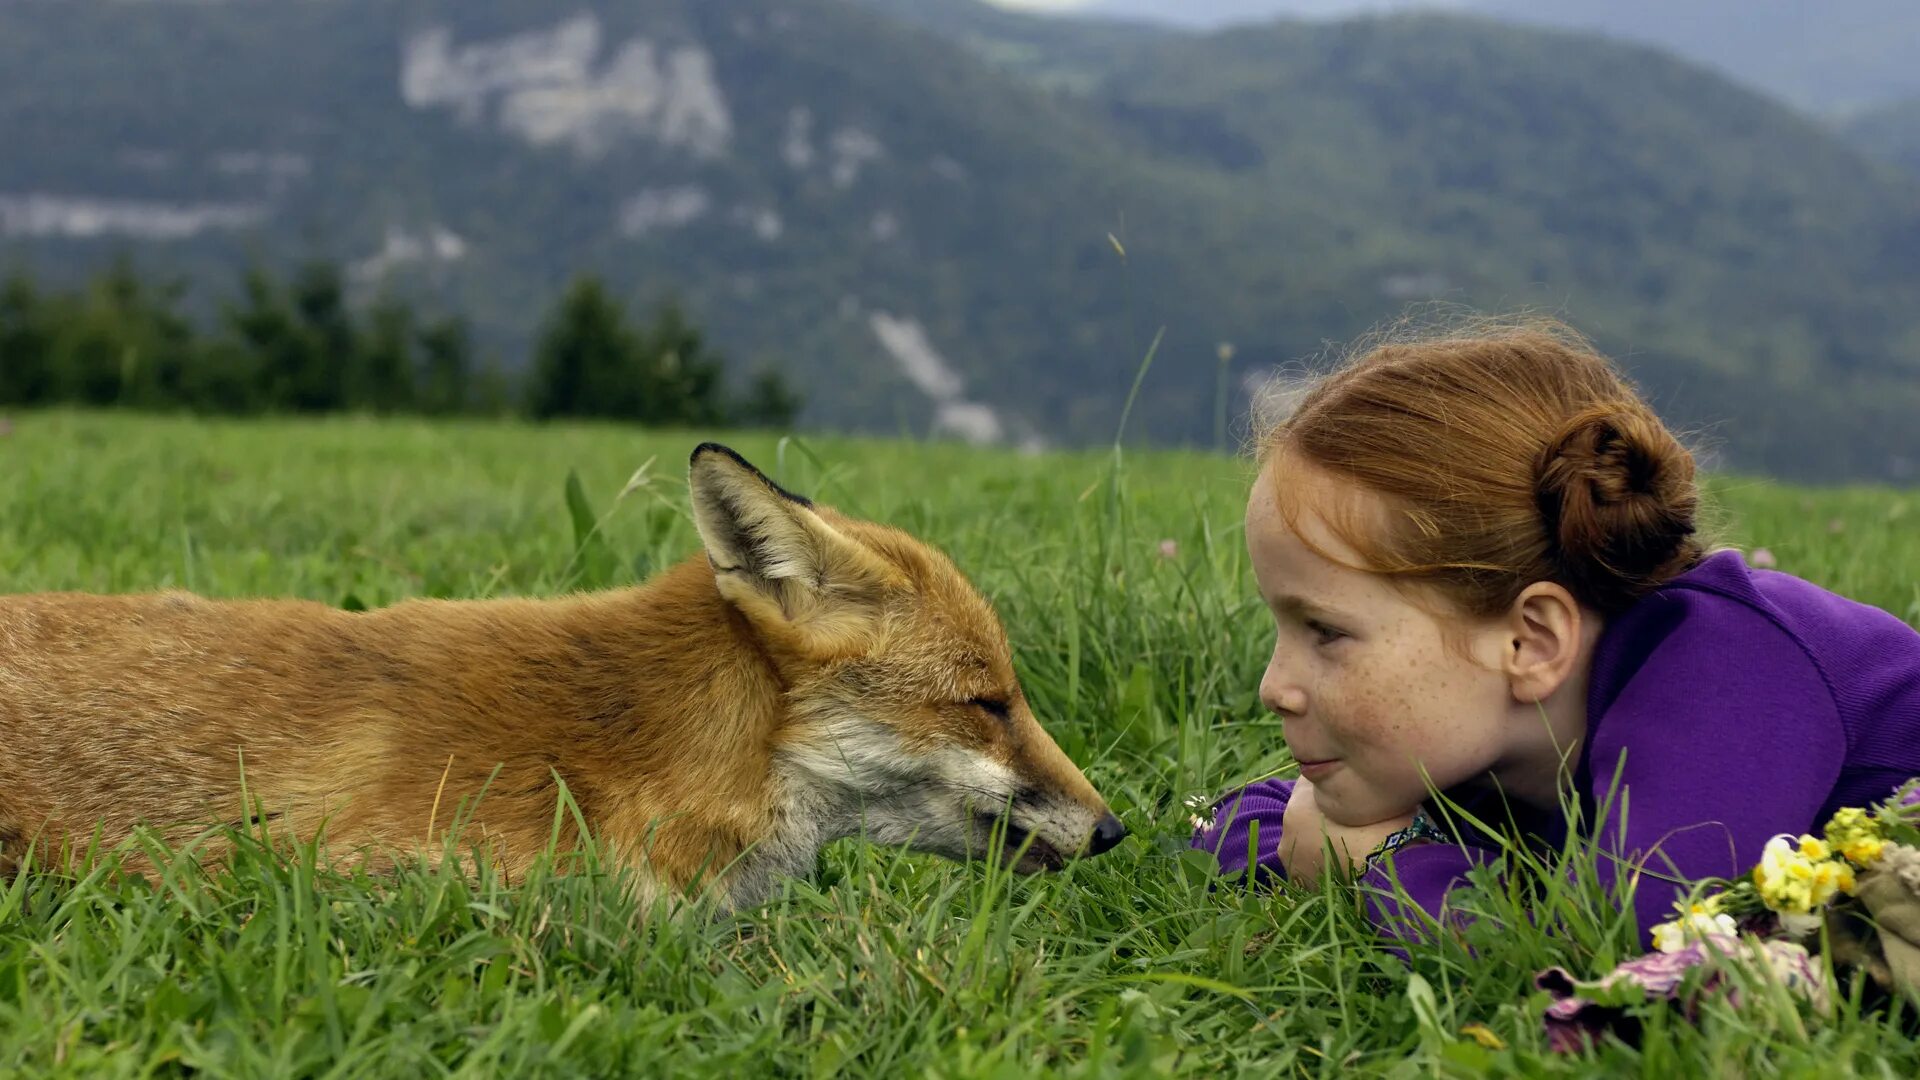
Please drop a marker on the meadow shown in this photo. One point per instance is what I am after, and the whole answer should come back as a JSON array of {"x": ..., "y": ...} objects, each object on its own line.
[{"x": 1125, "y": 588}]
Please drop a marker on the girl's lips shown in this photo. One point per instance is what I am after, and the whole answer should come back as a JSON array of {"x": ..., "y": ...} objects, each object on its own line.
[{"x": 1314, "y": 770}]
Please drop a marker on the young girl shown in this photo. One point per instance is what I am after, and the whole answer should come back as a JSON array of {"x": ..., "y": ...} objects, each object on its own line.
[{"x": 1482, "y": 557}]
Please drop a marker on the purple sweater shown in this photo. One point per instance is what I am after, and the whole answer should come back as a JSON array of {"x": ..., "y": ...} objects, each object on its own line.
[{"x": 1734, "y": 704}]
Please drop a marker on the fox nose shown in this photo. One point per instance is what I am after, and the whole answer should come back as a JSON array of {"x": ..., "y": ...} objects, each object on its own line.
[{"x": 1106, "y": 834}]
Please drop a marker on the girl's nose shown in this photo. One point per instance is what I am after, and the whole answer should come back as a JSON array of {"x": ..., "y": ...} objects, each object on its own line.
[{"x": 1280, "y": 692}]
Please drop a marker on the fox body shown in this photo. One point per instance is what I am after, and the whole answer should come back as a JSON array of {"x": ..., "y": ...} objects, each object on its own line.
[{"x": 807, "y": 677}]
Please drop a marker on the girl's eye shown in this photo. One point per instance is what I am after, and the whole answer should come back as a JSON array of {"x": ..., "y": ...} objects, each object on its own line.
[{"x": 1324, "y": 634}]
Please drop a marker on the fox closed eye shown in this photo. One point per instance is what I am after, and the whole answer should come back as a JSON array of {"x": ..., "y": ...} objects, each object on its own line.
[{"x": 994, "y": 707}]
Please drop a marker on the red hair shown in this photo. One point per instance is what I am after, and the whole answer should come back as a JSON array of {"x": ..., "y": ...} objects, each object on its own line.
[{"x": 1504, "y": 455}]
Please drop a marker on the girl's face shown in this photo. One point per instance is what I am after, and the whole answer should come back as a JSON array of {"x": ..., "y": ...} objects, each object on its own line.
[{"x": 1376, "y": 701}]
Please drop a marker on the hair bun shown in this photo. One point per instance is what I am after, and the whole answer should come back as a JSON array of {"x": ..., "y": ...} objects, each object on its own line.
[{"x": 1617, "y": 497}]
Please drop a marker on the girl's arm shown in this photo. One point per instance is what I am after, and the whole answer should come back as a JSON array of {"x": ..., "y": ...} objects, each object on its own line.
[
  {"x": 1273, "y": 829},
  {"x": 1243, "y": 831}
]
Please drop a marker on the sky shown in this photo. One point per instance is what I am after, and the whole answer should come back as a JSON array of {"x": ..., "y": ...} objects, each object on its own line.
[{"x": 1213, "y": 11}]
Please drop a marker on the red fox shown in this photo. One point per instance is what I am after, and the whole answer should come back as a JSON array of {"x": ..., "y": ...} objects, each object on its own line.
[{"x": 808, "y": 677}]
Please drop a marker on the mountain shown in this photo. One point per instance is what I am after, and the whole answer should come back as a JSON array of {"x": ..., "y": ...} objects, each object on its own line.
[
  {"x": 943, "y": 217},
  {"x": 1890, "y": 132},
  {"x": 1829, "y": 57},
  {"x": 1061, "y": 53},
  {"x": 1214, "y": 14},
  {"x": 832, "y": 218},
  {"x": 1824, "y": 57},
  {"x": 1551, "y": 169}
]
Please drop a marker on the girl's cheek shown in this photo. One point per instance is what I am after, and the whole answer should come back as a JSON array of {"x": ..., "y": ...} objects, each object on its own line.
[{"x": 1372, "y": 708}]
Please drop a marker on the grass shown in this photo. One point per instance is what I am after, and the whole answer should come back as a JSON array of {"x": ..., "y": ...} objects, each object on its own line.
[{"x": 885, "y": 964}]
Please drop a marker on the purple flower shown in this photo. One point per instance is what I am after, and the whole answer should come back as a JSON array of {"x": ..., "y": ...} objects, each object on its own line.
[{"x": 1581, "y": 1012}]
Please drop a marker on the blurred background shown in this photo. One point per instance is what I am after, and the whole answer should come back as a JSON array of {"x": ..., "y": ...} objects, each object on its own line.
[{"x": 954, "y": 218}]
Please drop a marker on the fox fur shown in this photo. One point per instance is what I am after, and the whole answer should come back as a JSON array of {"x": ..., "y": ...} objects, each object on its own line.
[{"x": 807, "y": 677}]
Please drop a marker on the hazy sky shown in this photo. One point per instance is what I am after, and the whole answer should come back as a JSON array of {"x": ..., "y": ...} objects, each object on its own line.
[{"x": 1205, "y": 11}]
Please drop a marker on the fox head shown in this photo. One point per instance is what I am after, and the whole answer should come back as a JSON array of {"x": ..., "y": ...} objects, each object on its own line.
[{"x": 903, "y": 719}]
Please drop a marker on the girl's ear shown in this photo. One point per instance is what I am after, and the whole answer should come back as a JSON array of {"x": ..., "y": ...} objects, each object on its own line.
[{"x": 1545, "y": 641}]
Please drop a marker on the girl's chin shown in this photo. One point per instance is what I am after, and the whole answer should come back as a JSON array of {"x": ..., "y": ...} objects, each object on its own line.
[{"x": 1339, "y": 806}]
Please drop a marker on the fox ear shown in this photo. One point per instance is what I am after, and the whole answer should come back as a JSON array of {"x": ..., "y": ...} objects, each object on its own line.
[{"x": 778, "y": 560}]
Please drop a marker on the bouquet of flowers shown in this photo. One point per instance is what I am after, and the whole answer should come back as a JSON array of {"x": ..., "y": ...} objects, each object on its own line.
[{"x": 1860, "y": 880}]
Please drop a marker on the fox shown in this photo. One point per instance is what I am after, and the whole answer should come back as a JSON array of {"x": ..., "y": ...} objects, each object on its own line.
[{"x": 804, "y": 677}]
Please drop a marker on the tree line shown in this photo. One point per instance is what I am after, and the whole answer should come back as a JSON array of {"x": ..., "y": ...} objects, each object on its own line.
[{"x": 300, "y": 345}]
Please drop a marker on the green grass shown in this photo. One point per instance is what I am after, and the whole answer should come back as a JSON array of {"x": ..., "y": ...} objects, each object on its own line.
[{"x": 885, "y": 964}]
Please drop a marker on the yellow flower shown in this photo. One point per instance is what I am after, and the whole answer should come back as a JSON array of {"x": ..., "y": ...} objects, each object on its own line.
[
  {"x": 1865, "y": 851},
  {"x": 1784, "y": 877},
  {"x": 1857, "y": 835},
  {"x": 1707, "y": 905},
  {"x": 1829, "y": 878},
  {"x": 1796, "y": 876}
]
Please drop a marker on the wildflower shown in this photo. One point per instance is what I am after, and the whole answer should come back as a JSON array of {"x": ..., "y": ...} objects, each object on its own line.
[
  {"x": 1830, "y": 877},
  {"x": 1202, "y": 815},
  {"x": 1698, "y": 922},
  {"x": 1796, "y": 876},
  {"x": 1799, "y": 927},
  {"x": 1789, "y": 881},
  {"x": 1857, "y": 836},
  {"x": 1582, "y": 1011},
  {"x": 1849, "y": 821},
  {"x": 1866, "y": 852},
  {"x": 1780, "y": 878},
  {"x": 1169, "y": 549},
  {"x": 1762, "y": 559}
]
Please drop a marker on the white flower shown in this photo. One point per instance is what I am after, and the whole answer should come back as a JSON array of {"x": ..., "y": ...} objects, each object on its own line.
[
  {"x": 1673, "y": 936},
  {"x": 1201, "y": 803},
  {"x": 1800, "y": 926}
]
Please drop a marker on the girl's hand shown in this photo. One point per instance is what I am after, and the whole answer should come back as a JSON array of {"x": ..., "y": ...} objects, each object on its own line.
[{"x": 1305, "y": 835}]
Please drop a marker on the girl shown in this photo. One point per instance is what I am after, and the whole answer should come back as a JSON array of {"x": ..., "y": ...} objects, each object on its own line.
[{"x": 1482, "y": 557}]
